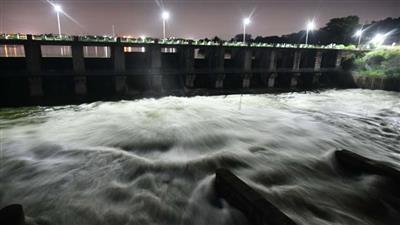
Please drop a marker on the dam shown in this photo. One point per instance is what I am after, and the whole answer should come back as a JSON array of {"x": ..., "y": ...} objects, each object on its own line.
[{"x": 52, "y": 70}]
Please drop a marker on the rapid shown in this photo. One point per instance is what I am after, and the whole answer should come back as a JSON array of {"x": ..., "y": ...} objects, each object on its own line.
[{"x": 152, "y": 161}]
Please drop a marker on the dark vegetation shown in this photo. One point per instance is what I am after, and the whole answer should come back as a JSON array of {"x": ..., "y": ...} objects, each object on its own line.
[
  {"x": 380, "y": 62},
  {"x": 337, "y": 30}
]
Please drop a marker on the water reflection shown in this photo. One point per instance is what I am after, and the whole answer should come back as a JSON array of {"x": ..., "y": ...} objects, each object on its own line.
[{"x": 12, "y": 51}]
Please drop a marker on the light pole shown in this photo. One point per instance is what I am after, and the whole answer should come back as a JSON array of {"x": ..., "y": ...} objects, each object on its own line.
[
  {"x": 58, "y": 9},
  {"x": 165, "y": 17},
  {"x": 310, "y": 26},
  {"x": 246, "y": 21},
  {"x": 359, "y": 35}
]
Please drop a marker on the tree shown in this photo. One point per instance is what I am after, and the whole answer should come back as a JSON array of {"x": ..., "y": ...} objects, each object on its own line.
[
  {"x": 387, "y": 26},
  {"x": 339, "y": 30},
  {"x": 239, "y": 38},
  {"x": 216, "y": 39},
  {"x": 259, "y": 39}
]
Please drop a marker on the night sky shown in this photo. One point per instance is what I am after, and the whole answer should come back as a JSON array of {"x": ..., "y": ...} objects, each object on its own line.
[{"x": 189, "y": 18}]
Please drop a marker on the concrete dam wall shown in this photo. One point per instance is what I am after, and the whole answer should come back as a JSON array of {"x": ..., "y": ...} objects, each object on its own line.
[
  {"x": 43, "y": 72},
  {"x": 376, "y": 83}
]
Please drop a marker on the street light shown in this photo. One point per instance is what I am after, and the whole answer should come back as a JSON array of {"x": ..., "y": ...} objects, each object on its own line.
[
  {"x": 378, "y": 39},
  {"x": 310, "y": 26},
  {"x": 58, "y": 9},
  {"x": 359, "y": 35},
  {"x": 246, "y": 21},
  {"x": 165, "y": 17}
]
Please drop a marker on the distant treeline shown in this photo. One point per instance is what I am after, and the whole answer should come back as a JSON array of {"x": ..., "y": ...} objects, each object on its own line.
[{"x": 337, "y": 30}]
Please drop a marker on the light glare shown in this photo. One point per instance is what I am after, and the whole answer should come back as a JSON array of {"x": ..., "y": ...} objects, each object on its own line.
[
  {"x": 311, "y": 25},
  {"x": 378, "y": 39},
  {"x": 359, "y": 33},
  {"x": 165, "y": 15},
  {"x": 246, "y": 21},
  {"x": 57, "y": 8}
]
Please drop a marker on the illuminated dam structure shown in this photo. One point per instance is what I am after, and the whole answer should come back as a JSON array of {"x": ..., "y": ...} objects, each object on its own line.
[{"x": 36, "y": 70}]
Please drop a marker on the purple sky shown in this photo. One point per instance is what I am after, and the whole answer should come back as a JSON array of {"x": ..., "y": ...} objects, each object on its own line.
[{"x": 189, "y": 18}]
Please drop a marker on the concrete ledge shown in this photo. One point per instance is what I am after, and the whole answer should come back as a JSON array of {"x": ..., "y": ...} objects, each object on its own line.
[
  {"x": 257, "y": 209},
  {"x": 358, "y": 164}
]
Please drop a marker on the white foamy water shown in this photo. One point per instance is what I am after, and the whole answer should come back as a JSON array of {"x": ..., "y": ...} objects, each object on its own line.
[{"x": 152, "y": 161}]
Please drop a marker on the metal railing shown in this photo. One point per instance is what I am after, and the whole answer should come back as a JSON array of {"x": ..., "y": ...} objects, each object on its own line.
[{"x": 171, "y": 41}]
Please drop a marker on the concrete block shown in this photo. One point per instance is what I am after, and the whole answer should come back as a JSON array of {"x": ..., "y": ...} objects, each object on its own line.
[
  {"x": 12, "y": 215},
  {"x": 257, "y": 209},
  {"x": 355, "y": 163}
]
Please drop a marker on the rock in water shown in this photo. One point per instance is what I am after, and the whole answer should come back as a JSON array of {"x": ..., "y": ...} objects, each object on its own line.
[{"x": 12, "y": 215}]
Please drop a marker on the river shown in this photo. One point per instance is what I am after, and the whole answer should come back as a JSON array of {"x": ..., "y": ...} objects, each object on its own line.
[{"x": 152, "y": 161}]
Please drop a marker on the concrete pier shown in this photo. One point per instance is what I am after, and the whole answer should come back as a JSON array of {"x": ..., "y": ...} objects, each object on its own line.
[
  {"x": 296, "y": 61},
  {"x": 273, "y": 68},
  {"x": 219, "y": 57},
  {"x": 271, "y": 80},
  {"x": 33, "y": 57},
  {"x": 247, "y": 68},
  {"x": 318, "y": 60},
  {"x": 120, "y": 85},
  {"x": 189, "y": 80},
  {"x": 317, "y": 68},
  {"x": 118, "y": 57},
  {"x": 78, "y": 60},
  {"x": 35, "y": 86},
  {"x": 188, "y": 66},
  {"x": 78, "y": 64},
  {"x": 294, "y": 80},
  {"x": 261, "y": 62},
  {"x": 155, "y": 75},
  {"x": 339, "y": 57},
  {"x": 296, "y": 69},
  {"x": 80, "y": 85}
]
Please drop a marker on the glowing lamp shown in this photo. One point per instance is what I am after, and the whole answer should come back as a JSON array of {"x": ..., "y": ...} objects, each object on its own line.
[
  {"x": 311, "y": 25},
  {"x": 246, "y": 21},
  {"x": 57, "y": 8},
  {"x": 165, "y": 15}
]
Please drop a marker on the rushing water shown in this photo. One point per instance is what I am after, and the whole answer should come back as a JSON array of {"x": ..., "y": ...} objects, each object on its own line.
[{"x": 152, "y": 161}]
